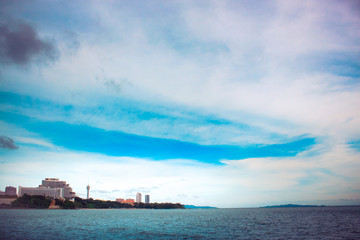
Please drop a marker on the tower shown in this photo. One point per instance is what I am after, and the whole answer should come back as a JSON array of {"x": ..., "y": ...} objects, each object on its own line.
[
  {"x": 138, "y": 197},
  {"x": 88, "y": 191},
  {"x": 147, "y": 198}
]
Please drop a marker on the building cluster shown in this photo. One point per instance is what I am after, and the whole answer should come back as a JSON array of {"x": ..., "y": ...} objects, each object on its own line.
[
  {"x": 132, "y": 201},
  {"x": 55, "y": 188},
  {"x": 8, "y": 196},
  {"x": 50, "y": 187}
]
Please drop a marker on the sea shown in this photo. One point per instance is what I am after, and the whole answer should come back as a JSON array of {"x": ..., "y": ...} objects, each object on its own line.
[{"x": 239, "y": 223}]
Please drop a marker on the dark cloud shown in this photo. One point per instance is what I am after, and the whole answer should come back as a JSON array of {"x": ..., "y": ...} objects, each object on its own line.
[
  {"x": 20, "y": 43},
  {"x": 6, "y": 142}
]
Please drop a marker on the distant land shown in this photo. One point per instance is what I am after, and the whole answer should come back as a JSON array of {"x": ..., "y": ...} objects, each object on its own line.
[
  {"x": 198, "y": 207},
  {"x": 292, "y": 205},
  {"x": 42, "y": 202}
]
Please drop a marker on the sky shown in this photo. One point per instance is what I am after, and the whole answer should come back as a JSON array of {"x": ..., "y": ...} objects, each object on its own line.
[{"x": 215, "y": 103}]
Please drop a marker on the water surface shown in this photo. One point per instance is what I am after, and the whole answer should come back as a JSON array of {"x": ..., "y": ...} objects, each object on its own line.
[{"x": 251, "y": 223}]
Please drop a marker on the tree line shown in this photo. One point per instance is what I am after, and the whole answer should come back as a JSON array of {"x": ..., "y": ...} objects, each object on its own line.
[{"x": 37, "y": 201}]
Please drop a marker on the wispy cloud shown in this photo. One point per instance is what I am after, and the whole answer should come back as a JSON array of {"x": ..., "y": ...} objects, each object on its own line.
[
  {"x": 152, "y": 120},
  {"x": 90, "y": 139},
  {"x": 238, "y": 183}
]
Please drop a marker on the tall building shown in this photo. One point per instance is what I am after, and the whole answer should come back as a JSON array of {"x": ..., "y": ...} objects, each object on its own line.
[
  {"x": 147, "y": 198},
  {"x": 50, "y": 187},
  {"x": 138, "y": 197},
  {"x": 88, "y": 191}
]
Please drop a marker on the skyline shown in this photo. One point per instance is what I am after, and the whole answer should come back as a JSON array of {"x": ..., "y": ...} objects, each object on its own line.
[
  {"x": 211, "y": 103},
  {"x": 66, "y": 193}
]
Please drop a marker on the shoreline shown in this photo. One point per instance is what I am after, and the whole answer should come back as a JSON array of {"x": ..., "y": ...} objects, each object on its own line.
[{"x": 16, "y": 208}]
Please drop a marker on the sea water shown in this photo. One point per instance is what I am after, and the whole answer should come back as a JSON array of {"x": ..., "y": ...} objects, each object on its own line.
[{"x": 250, "y": 223}]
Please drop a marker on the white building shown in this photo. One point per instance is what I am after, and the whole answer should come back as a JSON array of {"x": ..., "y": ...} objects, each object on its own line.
[
  {"x": 44, "y": 191},
  {"x": 56, "y": 183},
  {"x": 50, "y": 187},
  {"x": 138, "y": 197}
]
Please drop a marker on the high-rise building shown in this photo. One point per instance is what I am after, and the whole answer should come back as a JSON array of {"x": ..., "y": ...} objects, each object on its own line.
[
  {"x": 147, "y": 198},
  {"x": 138, "y": 197},
  {"x": 88, "y": 191}
]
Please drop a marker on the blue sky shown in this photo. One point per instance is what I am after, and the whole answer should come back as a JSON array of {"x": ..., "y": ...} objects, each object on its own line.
[{"x": 222, "y": 103}]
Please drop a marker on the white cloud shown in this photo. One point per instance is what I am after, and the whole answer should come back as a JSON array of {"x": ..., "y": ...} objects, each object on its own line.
[
  {"x": 239, "y": 183},
  {"x": 157, "y": 72},
  {"x": 35, "y": 141}
]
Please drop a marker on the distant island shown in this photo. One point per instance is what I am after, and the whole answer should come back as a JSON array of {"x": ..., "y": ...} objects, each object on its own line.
[
  {"x": 42, "y": 202},
  {"x": 198, "y": 207},
  {"x": 292, "y": 205}
]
